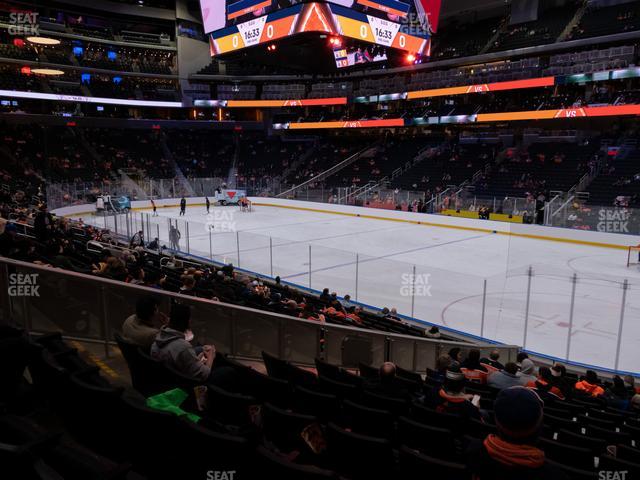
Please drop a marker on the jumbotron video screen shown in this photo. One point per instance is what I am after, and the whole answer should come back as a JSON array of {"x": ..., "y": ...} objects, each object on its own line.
[{"x": 406, "y": 26}]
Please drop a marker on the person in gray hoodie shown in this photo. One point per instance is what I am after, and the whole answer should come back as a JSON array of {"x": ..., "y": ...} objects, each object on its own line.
[
  {"x": 172, "y": 348},
  {"x": 527, "y": 372},
  {"x": 505, "y": 378}
]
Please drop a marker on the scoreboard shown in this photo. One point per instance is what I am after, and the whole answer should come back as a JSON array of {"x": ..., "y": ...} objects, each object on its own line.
[
  {"x": 324, "y": 18},
  {"x": 217, "y": 14}
]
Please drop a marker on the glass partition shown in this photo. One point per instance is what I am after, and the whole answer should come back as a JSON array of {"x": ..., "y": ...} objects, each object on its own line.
[
  {"x": 255, "y": 252},
  {"x": 385, "y": 283},
  {"x": 349, "y": 347},
  {"x": 65, "y": 303},
  {"x": 334, "y": 269},
  {"x": 629, "y": 331},
  {"x": 91, "y": 308},
  {"x": 448, "y": 298},
  {"x": 291, "y": 261},
  {"x": 551, "y": 310},
  {"x": 402, "y": 352},
  {"x": 559, "y": 299}
]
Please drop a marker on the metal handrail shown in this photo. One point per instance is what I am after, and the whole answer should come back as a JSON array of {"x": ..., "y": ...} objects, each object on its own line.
[{"x": 330, "y": 171}]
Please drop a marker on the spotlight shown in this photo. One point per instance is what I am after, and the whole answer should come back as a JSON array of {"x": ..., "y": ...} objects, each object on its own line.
[
  {"x": 411, "y": 58},
  {"x": 272, "y": 47},
  {"x": 47, "y": 71},
  {"x": 43, "y": 40}
]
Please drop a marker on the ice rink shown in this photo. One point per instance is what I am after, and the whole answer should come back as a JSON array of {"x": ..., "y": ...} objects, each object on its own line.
[{"x": 374, "y": 261}]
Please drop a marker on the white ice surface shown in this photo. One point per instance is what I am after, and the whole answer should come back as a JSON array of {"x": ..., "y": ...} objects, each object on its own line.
[{"x": 451, "y": 266}]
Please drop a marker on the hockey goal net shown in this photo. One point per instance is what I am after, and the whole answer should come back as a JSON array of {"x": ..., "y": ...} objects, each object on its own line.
[
  {"x": 633, "y": 256},
  {"x": 245, "y": 205}
]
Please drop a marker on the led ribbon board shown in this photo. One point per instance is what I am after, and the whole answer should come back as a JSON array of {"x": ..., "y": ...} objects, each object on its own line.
[
  {"x": 563, "y": 113},
  {"x": 391, "y": 122},
  {"x": 305, "y": 102},
  {"x": 559, "y": 114},
  {"x": 324, "y": 18},
  {"x": 483, "y": 87},
  {"x": 82, "y": 99}
]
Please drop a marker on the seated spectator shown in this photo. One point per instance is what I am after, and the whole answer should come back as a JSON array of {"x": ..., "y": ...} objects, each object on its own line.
[
  {"x": 291, "y": 307},
  {"x": 433, "y": 332},
  {"x": 561, "y": 381},
  {"x": 137, "y": 240},
  {"x": 172, "y": 348},
  {"x": 227, "y": 270},
  {"x": 334, "y": 310},
  {"x": 136, "y": 275},
  {"x": 527, "y": 372},
  {"x": 142, "y": 327},
  {"x": 634, "y": 404},
  {"x": 188, "y": 285},
  {"x": 512, "y": 453},
  {"x": 309, "y": 314},
  {"x": 57, "y": 258},
  {"x": 154, "y": 279},
  {"x": 8, "y": 240},
  {"x": 113, "y": 268},
  {"x": 590, "y": 385},
  {"x": 505, "y": 378},
  {"x": 617, "y": 395},
  {"x": 521, "y": 356},
  {"x": 630, "y": 384},
  {"x": 325, "y": 296},
  {"x": 354, "y": 315},
  {"x": 544, "y": 385},
  {"x": 472, "y": 369},
  {"x": 384, "y": 313},
  {"x": 442, "y": 365},
  {"x": 451, "y": 398},
  {"x": 456, "y": 356},
  {"x": 493, "y": 361},
  {"x": 346, "y": 302},
  {"x": 386, "y": 383}
]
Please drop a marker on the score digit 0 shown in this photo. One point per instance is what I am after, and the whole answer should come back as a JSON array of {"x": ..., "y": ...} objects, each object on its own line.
[
  {"x": 363, "y": 31},
  {"x": 269, "y": 31},
  {"x": 235, "y": 41}
]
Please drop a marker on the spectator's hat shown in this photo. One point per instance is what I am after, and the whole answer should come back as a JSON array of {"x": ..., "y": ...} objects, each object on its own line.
[{"x": 518, "y": 413}]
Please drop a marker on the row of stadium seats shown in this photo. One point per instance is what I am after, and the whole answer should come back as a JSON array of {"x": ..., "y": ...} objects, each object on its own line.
[
  {"x": 570, "y": 63},
  {"x": 94, "y": 55},
  {"x": 97, "y": 154},
  {"x": 301, "y": 423}
]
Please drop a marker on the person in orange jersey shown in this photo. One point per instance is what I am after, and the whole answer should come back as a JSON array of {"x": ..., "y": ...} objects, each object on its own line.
[{"x": 590, "y": 385}]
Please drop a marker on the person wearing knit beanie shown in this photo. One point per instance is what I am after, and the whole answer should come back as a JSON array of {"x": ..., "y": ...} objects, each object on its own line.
[
  {"x": 451, "y": 397},
  {"x": 512, "y": 454}
]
